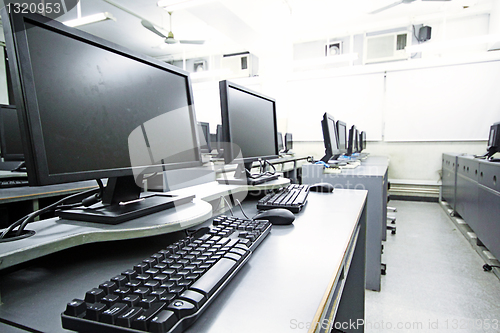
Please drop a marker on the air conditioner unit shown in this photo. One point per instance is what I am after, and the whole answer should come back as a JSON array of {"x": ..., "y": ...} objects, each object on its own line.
[
  {"x": 242, "y": 64},
  {"x": 386, "y": 47}
]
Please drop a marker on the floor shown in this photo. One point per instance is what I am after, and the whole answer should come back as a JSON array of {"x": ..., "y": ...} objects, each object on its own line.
[{"x": 435, "y": 281}]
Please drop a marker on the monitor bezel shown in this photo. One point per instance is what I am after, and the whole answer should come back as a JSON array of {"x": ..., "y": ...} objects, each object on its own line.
[
  {"x": 206, "y": 133},
  {"x": 341, "y": 123},
  {"x": 230, "y": 154},
  {"x": 350, "y": 146},
  {"x": 362, "y": 141},
  {"x": 288, "y": 141},
  {"x": 6, "y": 155},
  {"x": 281, "y": 144},
  {"x": 329, "y": 139},
  {"x": 28, "y": 111}
]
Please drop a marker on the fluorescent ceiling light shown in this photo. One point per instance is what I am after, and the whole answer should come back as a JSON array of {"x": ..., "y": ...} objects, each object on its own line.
[
  {"x": 89, "y": 19},
  {"x": 436, "y": 46},
  {"x": 173, "y": 5},
  {"x": 325, "y": 60}
]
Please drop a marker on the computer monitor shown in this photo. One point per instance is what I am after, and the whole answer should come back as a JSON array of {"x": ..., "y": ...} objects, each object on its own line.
[
  {"x": 220, "y": 141},
  {"x": 494, "y": 140},
  {"x": 10, "y": 134},
  {"x": 362, "y": 141},
  {"x": 281, "y": 146},
  {"x": 91, "y": 109},
  {"x": 352, "y": 145},
  {"x": 330, "y": 138},
  {"x": 204, "y": 137},
  {"x": 249, "y": 125},
  {"x": 288, "y": 142},
  {"x": 342, "y": 135}
]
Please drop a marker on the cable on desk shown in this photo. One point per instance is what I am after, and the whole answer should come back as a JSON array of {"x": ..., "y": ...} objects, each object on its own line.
[
  {"x": 97, "y": 193},
  {"x": 241, "y": 208},
  {"x": 488, "y": 268},
  {"x": 262, "y": 173}
]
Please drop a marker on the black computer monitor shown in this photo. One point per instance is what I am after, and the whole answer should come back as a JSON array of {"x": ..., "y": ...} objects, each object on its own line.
[
  {"x": 10, "y": 134},
  {"x": 362, "y": 141},
  {"x": 220, "y": 141},
  {"x": 330, "y": 138},
  {"x": 342, "y": 135},
  {"x": 494, "y": 140},
  {"x": 249, "y": 125},
  {"x": 91, "y": 109},
  {"x": 281, "y": 146},
  {"x": 353, "y": 141},
  {"x": 204, "y": 137},
  {"x": 288, "y": 142}
]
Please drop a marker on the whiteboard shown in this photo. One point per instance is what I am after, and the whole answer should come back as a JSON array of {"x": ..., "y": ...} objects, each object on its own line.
[
  {"x": 356, "y": 100},
  {"x": 452, "y": 103}
]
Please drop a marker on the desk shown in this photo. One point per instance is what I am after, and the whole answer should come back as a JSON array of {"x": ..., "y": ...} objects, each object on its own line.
[
  {"x": 477, "y": 197},
  {"x": 371, "y": 175},
  {"x": 279, "y": 289}
]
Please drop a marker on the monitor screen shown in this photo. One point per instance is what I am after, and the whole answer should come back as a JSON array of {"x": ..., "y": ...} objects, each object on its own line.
[
  {"x": 342, "y": 134},
  {"x": 288, "y": 142},
  {"x": 356, "y": 141},
  {"x": 10, "y": 134},
  {"x": 330, "y": 138},
  {"x": 204, "y": 136},
  {"x": 249, "y": 124},
  {"x": 281, "y": 146},
  {"x": 93, "y": 108}
]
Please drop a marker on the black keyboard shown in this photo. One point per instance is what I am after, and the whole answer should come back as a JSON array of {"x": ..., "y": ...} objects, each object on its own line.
[
  {"x": 293, "y": 197},
  {"x": 13, "y": 182},
  {"x": 168, "y": 291}
]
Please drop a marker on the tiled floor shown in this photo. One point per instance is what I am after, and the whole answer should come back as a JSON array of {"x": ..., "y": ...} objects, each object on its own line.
[{"x": 435, "y": 281}]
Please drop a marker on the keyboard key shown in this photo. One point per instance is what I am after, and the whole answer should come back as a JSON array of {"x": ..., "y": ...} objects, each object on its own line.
[
  {"x": 213, "y": 278},
  {"x": 182, "y": 308},
  {"x": 75, "y": 308},
  {"x": 94, "y": 295},
  {"x": 163, "y": 321},
  {"x": 194, "y": 297},
  {"x": 141, "y": 322},
  {"x": 95, "y": 310},
  {"x": 109, "y": 316},
  {"x": 125, "y": 320}
]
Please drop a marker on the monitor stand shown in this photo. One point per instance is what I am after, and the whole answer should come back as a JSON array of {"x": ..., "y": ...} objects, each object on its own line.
[
  {"x": 122, "y": 201},
  {"x": 241, "y": 178}
]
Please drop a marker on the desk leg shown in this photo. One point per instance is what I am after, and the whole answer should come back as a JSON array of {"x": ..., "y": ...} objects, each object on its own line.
[{"x": 351, "y": 312}]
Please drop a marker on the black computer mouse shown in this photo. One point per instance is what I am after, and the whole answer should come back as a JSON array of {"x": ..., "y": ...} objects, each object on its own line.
[
  {"x": 321, "y": 187},
  {"x": 277, "y": 216}
]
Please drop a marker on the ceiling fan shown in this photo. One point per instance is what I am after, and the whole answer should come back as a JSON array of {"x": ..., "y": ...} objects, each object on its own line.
[
  {"x": 394, "y": 4},
  {"x": 169, "y": 39}
]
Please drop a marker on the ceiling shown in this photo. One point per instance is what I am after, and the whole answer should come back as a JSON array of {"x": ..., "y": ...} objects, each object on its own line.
[{"x": 255, "y": 25}]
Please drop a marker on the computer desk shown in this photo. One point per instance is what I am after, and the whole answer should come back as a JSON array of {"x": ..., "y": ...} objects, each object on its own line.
[
  {"x": 295, "y": 277},
  {"x": 371, "y": 175}
]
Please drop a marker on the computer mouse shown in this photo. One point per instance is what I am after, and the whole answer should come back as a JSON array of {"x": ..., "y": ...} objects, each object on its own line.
[
  {"x": 321, "y": 187},
  {"x": 277, "y": 216}
]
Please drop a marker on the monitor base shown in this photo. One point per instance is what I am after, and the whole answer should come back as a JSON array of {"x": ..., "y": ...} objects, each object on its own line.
[{"x": 119, "y": 213}]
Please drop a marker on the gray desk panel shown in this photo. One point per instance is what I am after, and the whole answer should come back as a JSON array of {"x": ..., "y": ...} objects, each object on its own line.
[
  {"x": 284, "y": 280},
  {"x": 4, "y": 328},
  {"x": 449, "y": 176},
  {"x": 467, "y": 189},
  {"x": 365, "y": 177}
]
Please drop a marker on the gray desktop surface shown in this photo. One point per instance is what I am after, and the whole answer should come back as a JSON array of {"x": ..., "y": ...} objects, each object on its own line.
[
  {"x": 282, "y": 285},
  {"x": 53, "y": 235}
]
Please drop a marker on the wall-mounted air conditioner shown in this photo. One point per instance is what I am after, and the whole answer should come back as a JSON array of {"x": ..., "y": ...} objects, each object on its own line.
[
  {"x": 386, "y": 47},
  {"x": 242, "y": 64}
]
